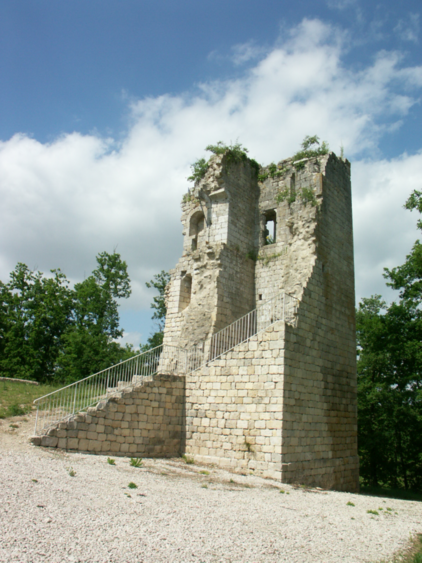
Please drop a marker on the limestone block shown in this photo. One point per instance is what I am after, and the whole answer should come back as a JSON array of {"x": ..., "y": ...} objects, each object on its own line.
[
  {"x": 72, "y": 443},
  {"x": 83, "y": 445},
  {"x": 49, "y": 441},
  {"x": 94, "y": 445}
]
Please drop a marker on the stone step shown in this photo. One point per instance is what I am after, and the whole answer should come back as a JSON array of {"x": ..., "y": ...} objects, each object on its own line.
[{"x": 136, "y": 381}]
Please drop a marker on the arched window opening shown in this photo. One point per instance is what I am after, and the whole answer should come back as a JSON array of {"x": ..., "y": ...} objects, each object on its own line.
[
  {"x": 270, "y": 228},
  {"x": 185, "y": 291},
  {"x": 196, "y": 225}
]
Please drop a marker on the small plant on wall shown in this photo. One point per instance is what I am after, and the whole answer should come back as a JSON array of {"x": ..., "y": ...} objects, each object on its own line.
[
  {"x": 306, "y": 195},
  {"x": 199, "y": 169},
  {"x": 234, "y": 153},
  {"x": 273, "y": 172},
  {"x": 311, "y": 148}
]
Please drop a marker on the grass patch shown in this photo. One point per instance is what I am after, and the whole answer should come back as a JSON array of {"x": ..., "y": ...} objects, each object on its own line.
[
  {"x": 373, "y": 512},
  {"x": 16, "y": 398},
  {"x": 136, "y": 462},
  {"x": 401, "y": 494},
  {"x": 350, "y": 504},
  {"x": 111, "y": 461},
  {"x": 132, "y": 485},
  {"x": 412, "y": 554},
  {"x": 188, "y": 459},
  {"x": 71, "y": 472},
  {"x": 204, "y": 472}
]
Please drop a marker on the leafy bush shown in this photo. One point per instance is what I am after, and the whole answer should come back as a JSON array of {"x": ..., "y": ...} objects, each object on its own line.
[
  {"x": 199, "y": 169},
  {"x": 311, "y": 148},
  {"x": 233, "y": 153}
]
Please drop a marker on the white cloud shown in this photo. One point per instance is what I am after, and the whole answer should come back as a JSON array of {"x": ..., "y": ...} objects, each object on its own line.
[
  {"x": 245, "y": 52},
  {"x": 341, "y": 4},
  {"x": 384, "y": 230},
  {"x": 408, "y": 30},
  {"x": 133, "y": 338},
  {"x": 64, "y": 202}
]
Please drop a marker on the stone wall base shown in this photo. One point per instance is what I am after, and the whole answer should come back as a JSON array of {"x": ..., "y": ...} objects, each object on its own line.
[{"x": 145, "y": 420}]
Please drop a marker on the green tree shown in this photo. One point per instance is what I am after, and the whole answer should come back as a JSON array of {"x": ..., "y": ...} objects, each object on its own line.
[
  {"x": 89, "y": 342},
  {"x": 408, "y": 277},
  {"x": 390, "y": 376},
  {"x": 34, "y": 313},
  {"x": 389, "y": 399},
  {"x": 159, "y": 282},
  {"x": 49, "y": 331}
]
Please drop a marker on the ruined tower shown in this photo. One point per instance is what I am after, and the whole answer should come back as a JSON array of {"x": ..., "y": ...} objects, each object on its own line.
[
  {"x": 282, "y": 403},
  {"x": 258, "y": 368}
]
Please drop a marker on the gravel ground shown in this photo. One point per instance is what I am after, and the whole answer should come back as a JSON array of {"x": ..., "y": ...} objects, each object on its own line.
[{"x": 178, "y": 514}]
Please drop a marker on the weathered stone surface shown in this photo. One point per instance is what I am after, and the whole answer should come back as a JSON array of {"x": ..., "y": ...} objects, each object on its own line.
[{"x": 299, "y": 379}]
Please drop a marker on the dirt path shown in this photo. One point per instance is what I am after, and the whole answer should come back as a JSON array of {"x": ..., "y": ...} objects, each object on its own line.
[{"x": 61, "y": 507}]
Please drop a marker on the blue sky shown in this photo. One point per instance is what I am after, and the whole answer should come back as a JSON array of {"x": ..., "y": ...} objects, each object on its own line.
[{"x": 106, "y": 103}]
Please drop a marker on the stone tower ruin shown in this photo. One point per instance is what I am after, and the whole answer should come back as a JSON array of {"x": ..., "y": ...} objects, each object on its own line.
[
  {"x": 283, "y": 403},
  {"x": 257, "y": 372}
]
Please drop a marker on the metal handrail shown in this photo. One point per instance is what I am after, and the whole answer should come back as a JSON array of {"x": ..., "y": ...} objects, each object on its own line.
[
  {"x": 282, "y": 307},
  {"x": 77, "y": 397}
]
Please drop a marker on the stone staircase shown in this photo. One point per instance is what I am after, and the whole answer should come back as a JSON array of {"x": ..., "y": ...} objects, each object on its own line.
[{"x": 141, "y": 419}]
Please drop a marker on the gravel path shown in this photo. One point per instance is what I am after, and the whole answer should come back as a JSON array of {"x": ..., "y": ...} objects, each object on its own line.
[{"x": 178, "y": 514}]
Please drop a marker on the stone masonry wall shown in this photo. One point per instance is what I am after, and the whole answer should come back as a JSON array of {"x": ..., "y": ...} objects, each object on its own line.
[
  {"x": 320, "y": 403},
  {"x": 312, "y": 376},
  {"x": 145, "y": 420},
  {"x": 287, "y": 264},
  {"x": 235, "y": 288},
  {"x": 216, "y": 257},
  {"x": 234, "y": 407}
]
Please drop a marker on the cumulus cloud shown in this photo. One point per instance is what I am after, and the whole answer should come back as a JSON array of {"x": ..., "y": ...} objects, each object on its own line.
[
  {"x": 384, "y": 231},
  {"x": 65, "y": 201}
]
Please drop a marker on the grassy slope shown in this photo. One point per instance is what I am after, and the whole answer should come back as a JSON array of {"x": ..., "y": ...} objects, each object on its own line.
[{"x": 16, "y": 398}]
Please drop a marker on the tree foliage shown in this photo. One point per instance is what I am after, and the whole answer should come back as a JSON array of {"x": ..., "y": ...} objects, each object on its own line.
[
  {"x": 50, "y": 331},
  {"x": 390, "y": 378},
  {"x": 389, "y": 394},
  {"x": 159, "y": 282}
]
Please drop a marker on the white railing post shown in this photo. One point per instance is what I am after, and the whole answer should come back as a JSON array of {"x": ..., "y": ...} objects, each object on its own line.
[
  {"x": 36, "y": 421},
  {"x": 74, "y": 399}
]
